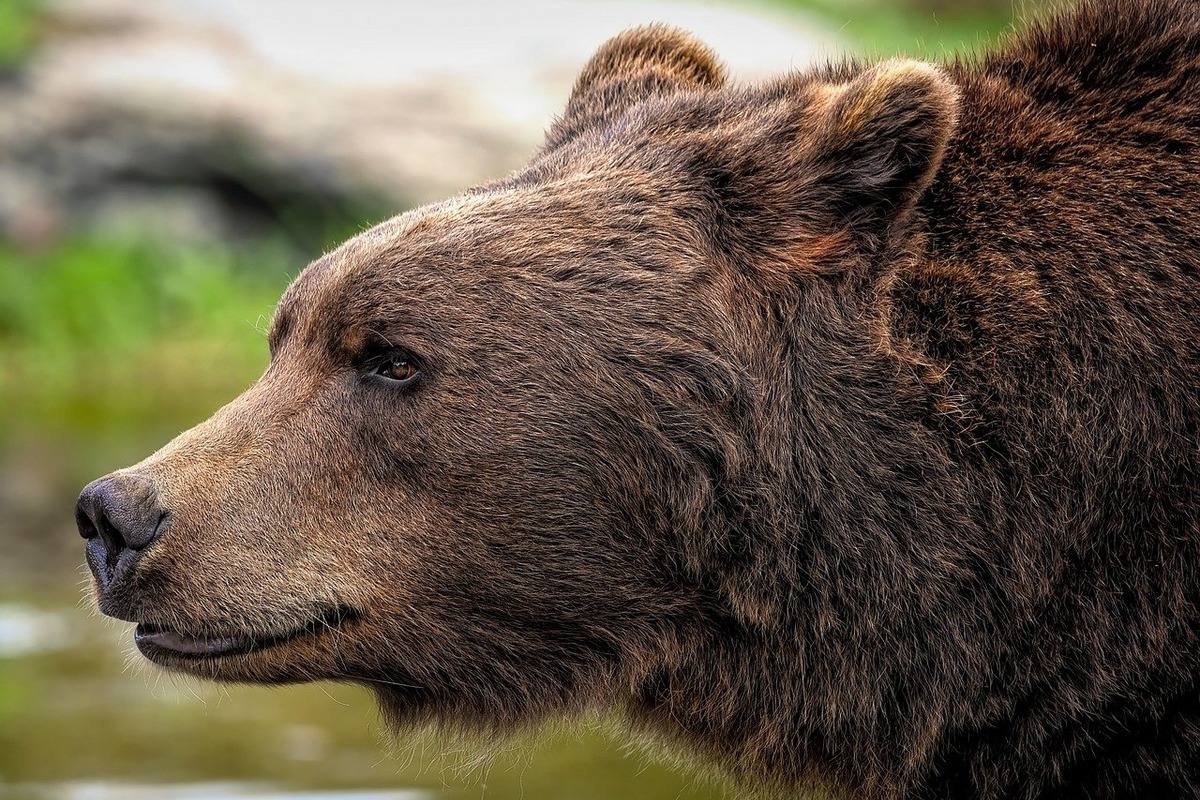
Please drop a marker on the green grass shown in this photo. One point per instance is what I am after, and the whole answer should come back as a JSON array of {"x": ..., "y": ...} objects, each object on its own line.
[
  {"x": 97, "y": 333},
  {"x": 18, "y": 30},
  {"x": 879, "y": 28}
]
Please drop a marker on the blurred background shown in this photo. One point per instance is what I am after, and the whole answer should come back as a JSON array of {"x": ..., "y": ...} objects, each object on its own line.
[{"x": 166, "y": 167}]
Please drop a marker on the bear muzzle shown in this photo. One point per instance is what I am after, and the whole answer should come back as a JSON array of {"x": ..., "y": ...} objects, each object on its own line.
[{"x": 121, "y": 518}]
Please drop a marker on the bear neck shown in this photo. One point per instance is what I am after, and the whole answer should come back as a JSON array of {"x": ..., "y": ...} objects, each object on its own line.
[{"x": 874, "y": 590}]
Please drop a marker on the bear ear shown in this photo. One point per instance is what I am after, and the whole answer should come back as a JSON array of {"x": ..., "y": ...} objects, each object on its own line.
[
  {"x": 878, "y": 143},
  {"x": 633, "y": 66}
]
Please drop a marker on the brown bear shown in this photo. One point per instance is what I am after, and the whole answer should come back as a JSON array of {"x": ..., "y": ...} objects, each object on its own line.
[{"x": 843, "y": 428}]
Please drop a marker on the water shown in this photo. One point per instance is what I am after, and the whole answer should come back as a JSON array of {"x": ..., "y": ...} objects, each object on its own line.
[{"x": 83, "y": 717}]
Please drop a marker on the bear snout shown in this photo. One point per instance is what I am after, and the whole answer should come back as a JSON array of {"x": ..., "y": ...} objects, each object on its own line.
[{"x": 119, "y": 517}]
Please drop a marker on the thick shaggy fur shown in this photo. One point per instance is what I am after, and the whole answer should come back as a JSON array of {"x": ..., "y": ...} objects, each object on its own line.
[{"x": 843, "y": 427}]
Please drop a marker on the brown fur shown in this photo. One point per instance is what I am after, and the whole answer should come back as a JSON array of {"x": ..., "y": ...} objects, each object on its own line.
[{"x": 843, "y": 427}]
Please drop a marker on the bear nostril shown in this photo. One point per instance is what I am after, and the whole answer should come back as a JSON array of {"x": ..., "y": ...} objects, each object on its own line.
[
  {"x": 118, "y": 515},
  {"x": 114, "y": 542},
  {"x": 83, "y": 520}
]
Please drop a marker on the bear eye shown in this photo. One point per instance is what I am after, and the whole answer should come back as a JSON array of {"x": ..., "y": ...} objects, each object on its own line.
[{"x": 398, "y": 367}]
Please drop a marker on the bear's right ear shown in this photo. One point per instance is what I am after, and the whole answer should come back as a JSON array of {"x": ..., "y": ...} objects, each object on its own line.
[
  {"x": 877, "y": 143},
  {"x": 630, "y": 67}
]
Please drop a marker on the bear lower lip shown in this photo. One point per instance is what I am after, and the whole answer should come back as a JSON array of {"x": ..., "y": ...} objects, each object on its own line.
[
  {"x": 179, "y": 644},
  {"x": 154, "y": 641}
]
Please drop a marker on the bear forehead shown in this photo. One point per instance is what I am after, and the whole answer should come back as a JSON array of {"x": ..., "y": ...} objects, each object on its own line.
[
  {"x": 637, "y": 173},
  {"x": 507, "y": 242},
  {"x": 626, "y": 195}
]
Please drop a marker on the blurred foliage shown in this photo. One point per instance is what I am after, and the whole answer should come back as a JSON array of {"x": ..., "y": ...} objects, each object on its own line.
[
  {"x": 923, "y": 28},
  {"x": 18, "y": 30},
  {"x": 97, "y": 332}
]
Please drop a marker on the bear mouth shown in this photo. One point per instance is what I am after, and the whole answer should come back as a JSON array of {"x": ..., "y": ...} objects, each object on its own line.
[{"x": 159, "y": 643}]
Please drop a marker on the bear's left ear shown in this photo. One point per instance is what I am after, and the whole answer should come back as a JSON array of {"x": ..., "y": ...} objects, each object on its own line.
[
  {"x": 878, "y": 143},
  {"x": 630, "y": 67}
]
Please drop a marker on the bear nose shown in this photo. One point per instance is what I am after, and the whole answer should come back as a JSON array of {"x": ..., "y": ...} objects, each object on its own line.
[{"x": 119, "y": 517}]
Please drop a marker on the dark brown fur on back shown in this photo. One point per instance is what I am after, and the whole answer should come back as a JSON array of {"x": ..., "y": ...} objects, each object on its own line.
[{"x": 842, "y": 427}]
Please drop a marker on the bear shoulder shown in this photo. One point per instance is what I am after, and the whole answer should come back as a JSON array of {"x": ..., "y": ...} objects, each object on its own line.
[{"x": 1107, "y": 56}]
